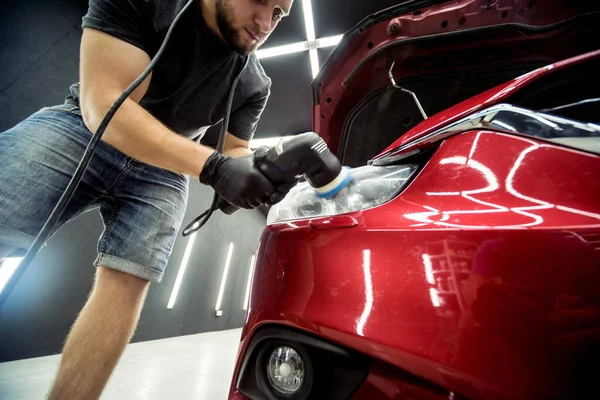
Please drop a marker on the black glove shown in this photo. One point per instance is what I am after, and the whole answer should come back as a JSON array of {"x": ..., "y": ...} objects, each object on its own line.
[
  {"x": 237, "y": 180},
  {"x": 282, "y": 187},
  {"x": 282, "y": 191}
]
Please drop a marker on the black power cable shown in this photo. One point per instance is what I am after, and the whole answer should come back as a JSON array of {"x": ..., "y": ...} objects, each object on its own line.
[
  {"x": 85, "y": 160},
  {"x": 195, "y": 225}
]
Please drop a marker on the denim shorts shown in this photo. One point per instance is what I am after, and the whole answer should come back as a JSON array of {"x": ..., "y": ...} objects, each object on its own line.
[{"x": 142, "y": 206}]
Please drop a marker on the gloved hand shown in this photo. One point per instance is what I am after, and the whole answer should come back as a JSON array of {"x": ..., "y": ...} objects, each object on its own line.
[
  {"x": 237, "y": 180},
  {"x": 282, "y": 187}
]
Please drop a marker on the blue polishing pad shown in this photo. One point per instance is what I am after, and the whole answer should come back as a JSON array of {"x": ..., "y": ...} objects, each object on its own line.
[{"x": 336, "y": 186}]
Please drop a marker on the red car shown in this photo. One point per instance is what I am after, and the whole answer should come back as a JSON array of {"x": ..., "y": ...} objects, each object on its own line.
[{"x": 463, "y": 261}]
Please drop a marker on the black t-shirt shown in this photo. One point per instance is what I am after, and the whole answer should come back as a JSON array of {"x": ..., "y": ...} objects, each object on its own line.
[{"x": 191, "y": 82}]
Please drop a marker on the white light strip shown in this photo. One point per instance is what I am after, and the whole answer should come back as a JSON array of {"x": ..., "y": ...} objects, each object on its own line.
[
  {"x": 428, "y": 269},
  {"x": 223, "y": 280},
  {"x": 435, "y": 298},
  {"x": 314, "y": 62},
  {"x": 311, "y": 44},
  {"x": 368, "y": 293},
  {"x": 309, "y": 24},
  {"x": 297, "y": 47},
  {"x": 8, "y": 266},
  {"x": 309, "y": 21},
  {"x": 282, "y": 50},
  {"x": 249, "y": 282},
  {"x": 329, "y": 41},
  {"x": 182, "y": 267}
]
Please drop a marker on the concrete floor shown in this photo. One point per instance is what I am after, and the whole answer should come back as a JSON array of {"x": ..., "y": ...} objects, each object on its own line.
[{"x": 188, "y": 367}]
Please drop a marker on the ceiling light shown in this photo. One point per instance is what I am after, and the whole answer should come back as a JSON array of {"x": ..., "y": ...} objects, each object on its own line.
[
  {"x": 218, "y": 310},
  {"x": 329, "y": 41},
  {"x": 8, "y": 266},
  {"x": 309, "y": 22},
  {"x": 182, "y": 267},
  {"x": 281, "y": 50},
  {"x": 314, "y": 62}
]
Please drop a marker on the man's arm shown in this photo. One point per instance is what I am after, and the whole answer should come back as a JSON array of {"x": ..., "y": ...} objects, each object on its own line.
[
  {"x": 236, "y": 147},
  {"x": 108, "y": 66}
]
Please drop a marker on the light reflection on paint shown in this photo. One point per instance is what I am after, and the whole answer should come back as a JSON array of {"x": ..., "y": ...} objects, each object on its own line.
[
  {"x": 368, "y": 293},
  {"x": 435, "y": 298},
  {"x": 492, "y": 184},
  {"x": 487, "y": 173},
  {"x": 505, "y": 126},
  {"x": 428, "y": 269},
  {"x": 474, "y": 146}
]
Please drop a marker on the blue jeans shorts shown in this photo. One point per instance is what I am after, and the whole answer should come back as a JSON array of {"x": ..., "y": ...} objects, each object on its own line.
[{"x": 142, "y": 206}]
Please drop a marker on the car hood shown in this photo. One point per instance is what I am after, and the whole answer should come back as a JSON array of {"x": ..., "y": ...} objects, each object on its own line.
[{"x": 441, "y": 54}]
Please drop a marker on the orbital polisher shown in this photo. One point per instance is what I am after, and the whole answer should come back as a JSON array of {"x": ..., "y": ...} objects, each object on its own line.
[{"x": 305, "y": 155}]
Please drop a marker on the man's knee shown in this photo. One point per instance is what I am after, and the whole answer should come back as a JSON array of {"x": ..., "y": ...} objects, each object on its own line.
[{"x": 123, "y": 286}]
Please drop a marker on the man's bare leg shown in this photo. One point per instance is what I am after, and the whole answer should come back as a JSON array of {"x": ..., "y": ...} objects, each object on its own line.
[{"x": 99, "y": 335}]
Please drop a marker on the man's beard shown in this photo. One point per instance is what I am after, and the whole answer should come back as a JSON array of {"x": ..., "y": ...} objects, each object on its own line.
[{"x": 226, "y": 27}]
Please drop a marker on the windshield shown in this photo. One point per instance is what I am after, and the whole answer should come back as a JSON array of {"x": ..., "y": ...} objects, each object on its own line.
[
  {"x": 568, "y": 132},
  {"x": 506, "y": 117}
]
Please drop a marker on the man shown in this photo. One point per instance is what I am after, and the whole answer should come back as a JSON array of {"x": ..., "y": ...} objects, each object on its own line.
[{"x": 138, "y": 175}]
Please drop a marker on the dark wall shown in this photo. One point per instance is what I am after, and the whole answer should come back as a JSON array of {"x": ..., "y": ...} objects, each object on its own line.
[
  {"x": 36, "y": 318},
  {"x": 39, "y": 54}
]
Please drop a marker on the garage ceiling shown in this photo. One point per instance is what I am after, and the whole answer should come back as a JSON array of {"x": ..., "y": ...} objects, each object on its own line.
[{"x": 289, "y": 111}]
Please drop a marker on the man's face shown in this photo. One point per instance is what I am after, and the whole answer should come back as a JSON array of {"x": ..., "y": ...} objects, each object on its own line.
[{"x": 246, "y": 24}]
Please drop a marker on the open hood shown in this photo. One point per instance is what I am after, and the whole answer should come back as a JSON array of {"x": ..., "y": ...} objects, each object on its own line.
[{"x": 444, "y": 53}]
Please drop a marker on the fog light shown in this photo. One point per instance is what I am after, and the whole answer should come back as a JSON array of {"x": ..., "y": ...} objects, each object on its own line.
[{"x": 286, "y": 370}]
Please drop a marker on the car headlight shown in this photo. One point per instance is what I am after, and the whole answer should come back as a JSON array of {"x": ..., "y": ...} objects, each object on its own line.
[{"x": 370, "y": 186}]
